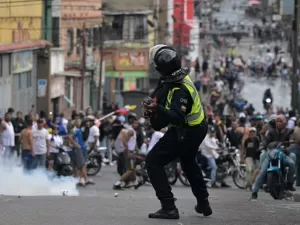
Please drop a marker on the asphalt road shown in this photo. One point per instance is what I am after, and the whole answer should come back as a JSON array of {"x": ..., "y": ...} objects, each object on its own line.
[
  {"x": 97, "y": 205},
  {"x": 254, "y": 88}
]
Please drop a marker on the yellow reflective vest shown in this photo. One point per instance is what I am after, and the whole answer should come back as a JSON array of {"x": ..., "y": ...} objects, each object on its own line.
[{"x": 196, "y": 116}]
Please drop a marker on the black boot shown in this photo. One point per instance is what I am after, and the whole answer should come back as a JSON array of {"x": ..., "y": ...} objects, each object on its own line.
[
  {"x": 168, "y": 210},
  {"x": 290, "y": 187},
  {"x": 203, "y": 207}
]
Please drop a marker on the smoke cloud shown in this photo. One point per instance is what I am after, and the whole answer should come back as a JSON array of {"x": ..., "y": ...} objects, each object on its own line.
[{"x": 15, "y": 182}]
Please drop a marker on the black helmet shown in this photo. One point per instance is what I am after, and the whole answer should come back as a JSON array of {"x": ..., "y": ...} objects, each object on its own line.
[{"x": 166, "y": 61}]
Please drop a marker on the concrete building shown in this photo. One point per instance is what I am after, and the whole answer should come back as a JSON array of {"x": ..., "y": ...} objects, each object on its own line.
[
  {"x": 20, "y": 50},
  {"x": 69, "y": 17},
  {"x": 129, "y": 32}
]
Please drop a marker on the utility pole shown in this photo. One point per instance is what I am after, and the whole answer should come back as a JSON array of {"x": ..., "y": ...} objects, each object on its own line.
[
  {"x": 83, "y": 64},
  {"x": 295, "y": 30},
  {"x": 181, "y": 33},
  {"x": 101, "y": 52},
  {"x": 157, "y": 12}
]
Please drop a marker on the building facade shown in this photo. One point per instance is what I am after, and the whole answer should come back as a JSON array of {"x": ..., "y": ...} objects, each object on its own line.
[
  {"x": 129, "y": 32},
  {"x": 21, "y": 45},
  {"x": 71, "y": 19}
]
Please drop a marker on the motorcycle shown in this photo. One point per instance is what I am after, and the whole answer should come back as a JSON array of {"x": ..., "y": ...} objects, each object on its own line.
[
  {"x": 174, "y": 172},
  {"x": 277, "y": 172},
  {"x": 267, "y": 103},
  {"x": 236, "y": 169},
  {"x": 228, "y": 165},
  {"x": 62, "y": 164},
  {"x": 94, "y": 161},
  {"x": 221, "y": 172}
]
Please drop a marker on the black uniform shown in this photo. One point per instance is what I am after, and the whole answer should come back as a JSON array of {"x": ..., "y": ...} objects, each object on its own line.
[{"x": 180, "y": 141}]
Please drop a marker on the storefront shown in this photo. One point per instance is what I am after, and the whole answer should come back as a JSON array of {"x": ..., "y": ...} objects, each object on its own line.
[{"x": 125, "y": 70}]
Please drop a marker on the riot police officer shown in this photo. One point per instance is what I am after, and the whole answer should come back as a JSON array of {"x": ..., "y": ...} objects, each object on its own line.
[{"x": 175, "y": 103}]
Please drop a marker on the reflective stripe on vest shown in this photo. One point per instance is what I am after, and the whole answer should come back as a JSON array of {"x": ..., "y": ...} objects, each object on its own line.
[
  {"x": 189, "y": 118},
  {"x": 193, "y": 117}
]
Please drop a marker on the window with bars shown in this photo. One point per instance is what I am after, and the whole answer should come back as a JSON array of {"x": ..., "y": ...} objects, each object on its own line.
[
  {"x": 113, "y": 27},
  {"x": 128, "y": 28},
  {"x": 70, "y": 38},
  {"x": 55, "y": 32},
  {"x": 78, "y": 41},
  {"x": 138, "y": 28}
]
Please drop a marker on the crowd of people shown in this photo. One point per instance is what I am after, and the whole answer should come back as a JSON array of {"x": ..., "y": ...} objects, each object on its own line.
[
  {"x": 36, "y": 138},
  {"x": 245, "y": 129}
]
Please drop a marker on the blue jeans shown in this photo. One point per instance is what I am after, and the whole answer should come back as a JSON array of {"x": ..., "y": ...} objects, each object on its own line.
[
  {"x": 27, "y": 159},
  {"x": 39, "y": 161},
  {"x": 264, "y": 154},
  {"x": 213, "y": 166},
  {"x": 288, "y": 161}
]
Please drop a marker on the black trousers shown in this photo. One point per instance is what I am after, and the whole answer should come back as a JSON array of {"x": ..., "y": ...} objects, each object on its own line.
[{"x": 167, "y": 149}]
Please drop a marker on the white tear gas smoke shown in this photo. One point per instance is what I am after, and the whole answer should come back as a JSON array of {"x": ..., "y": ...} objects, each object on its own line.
[{"x": 15, "y": 182}]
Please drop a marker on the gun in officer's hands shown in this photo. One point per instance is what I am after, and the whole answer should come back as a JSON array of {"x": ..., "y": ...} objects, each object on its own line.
[{"x": 149, "y": 106}]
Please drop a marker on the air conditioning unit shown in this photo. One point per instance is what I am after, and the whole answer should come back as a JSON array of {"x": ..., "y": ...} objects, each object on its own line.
[{"x": 44, "y": 52}]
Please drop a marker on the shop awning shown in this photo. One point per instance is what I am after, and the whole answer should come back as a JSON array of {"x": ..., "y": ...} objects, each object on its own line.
[
  {"x": 20, "y": 46},
  {"x": 254, "y": 2}
]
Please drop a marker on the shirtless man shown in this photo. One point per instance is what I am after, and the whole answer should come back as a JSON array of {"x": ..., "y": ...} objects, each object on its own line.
[{"x": 125, "y": 162}]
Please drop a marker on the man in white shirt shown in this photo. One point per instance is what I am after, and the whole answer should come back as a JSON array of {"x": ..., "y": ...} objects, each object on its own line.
[
  {"x": 155, "y": 138},
  {"x": 7, "y": 136},
  {"x": 55, "y": 141},
  {"x": 94, "y": 133},
  {"x": 219, "y": 84},
  {"x": 208, "y": 149},
  {"x": 41, "y": 144}
]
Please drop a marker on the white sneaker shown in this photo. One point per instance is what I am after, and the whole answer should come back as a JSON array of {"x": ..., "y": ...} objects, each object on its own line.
[{"x": 105, "y": 160}]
